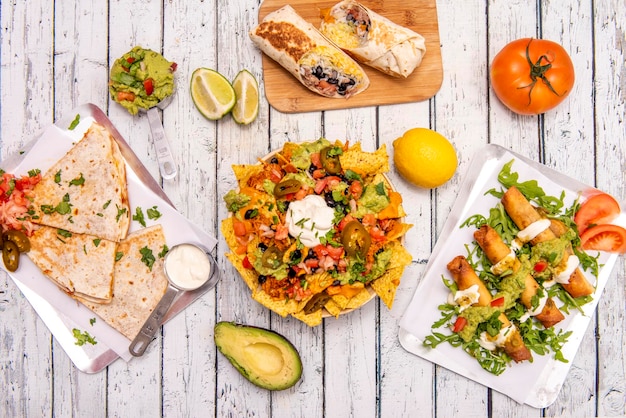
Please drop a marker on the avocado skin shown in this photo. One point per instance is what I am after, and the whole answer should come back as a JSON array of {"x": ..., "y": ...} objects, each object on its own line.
[{"x": 232, "y": 339}]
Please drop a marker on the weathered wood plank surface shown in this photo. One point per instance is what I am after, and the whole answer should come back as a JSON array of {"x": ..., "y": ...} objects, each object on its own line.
[{"x": 56, "y": 56}]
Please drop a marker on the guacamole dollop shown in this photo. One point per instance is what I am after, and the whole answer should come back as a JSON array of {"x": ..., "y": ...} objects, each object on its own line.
[{"x": 141, "y": 78}]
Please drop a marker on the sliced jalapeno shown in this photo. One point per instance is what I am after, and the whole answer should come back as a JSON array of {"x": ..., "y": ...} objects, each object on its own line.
[
  {"x": 286, "y": 187},
  {"x": 19, "y": 238},
  {"x": 10, "y": 255},
  {"x": 316, "y": 303},
  {"x": 272, "y": 258},
  {"x": 355, "y": 239},
  {"x": 330, "y": 160}
]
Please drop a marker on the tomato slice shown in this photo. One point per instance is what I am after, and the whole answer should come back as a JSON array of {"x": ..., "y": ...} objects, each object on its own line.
[
  {"x": 496, "y": 303},
  {"x": 607, "y": 237},
  {"x": 598, "y": 209}
]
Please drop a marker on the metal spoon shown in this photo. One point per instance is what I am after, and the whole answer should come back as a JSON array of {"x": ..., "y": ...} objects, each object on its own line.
[
  {"x": 167, "y": 166},
  {"x": 151, "y": 326}
]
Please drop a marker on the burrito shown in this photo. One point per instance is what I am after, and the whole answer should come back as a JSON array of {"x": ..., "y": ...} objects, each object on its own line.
[
  {"x": 303, "y": 51},
  {"x": 373, "y": 39}
]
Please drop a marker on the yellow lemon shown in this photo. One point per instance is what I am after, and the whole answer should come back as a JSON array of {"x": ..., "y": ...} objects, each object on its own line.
[{"x": 424, "y": 157}]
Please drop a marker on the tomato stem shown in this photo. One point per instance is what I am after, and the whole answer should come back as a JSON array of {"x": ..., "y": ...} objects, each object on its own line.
[{"x": 538, "y": 71}]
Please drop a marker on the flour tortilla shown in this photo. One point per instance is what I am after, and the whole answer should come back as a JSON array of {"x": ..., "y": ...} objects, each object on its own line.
[
  {"x": 99, "y": 206},
  {"x": 81, "y": 265},
  {"x": 387, "y": 46},
  {"x": 300, "y": 48},
  {"x": 137, "y": 288}
]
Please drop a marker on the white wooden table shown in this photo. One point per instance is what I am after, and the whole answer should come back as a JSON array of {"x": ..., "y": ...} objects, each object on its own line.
[{"x": 56, "y": 56}]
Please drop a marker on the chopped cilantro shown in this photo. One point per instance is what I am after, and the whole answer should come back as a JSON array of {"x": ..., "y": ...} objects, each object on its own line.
[
  {"x": 147, "y": 257},
  {"x": 92, "y": 321},
  {"x": 78, "y": 181},
  {"x": 138, "y": 216},
  {"x": 96, "y": 242},
  {"x": 153, "y": 213},
  {"x": 163, "y": 251},
  {"x": 119, "y": 255},
  {"x": 64, "y": 233},
  {"x": 74, "y": 123},
  {"x": 83, "y": 338}
]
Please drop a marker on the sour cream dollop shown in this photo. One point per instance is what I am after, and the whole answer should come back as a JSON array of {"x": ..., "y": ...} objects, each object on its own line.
[
  {"x": 309, "y": 219},
  {"x": 187, "y": 266},
  {"x": 530, "y": 233}
]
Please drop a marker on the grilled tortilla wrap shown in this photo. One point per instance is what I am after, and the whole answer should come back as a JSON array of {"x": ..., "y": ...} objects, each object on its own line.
[
  {"x": 85, "y": 191},
  {"x": 137, "y": 287},
  {"x": 373, "y": 39},
  {"x": 303, "y": 51},
  {"x": 81, "y": 265}
]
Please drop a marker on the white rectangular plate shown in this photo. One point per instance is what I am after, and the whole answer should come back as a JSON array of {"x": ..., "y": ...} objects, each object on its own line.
[
  {"x": 59, "y": 311},
  {"x": 538, "y": 383}
]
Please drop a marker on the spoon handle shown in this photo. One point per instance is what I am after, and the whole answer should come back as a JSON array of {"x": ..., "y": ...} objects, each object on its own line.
[
  {"x": 152, "y": 324},
  {"x": 167, "y": 166}
]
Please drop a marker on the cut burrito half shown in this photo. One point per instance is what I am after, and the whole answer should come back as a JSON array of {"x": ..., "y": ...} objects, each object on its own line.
[
  {"x": 303, "y": 51},
  {"x": 373, "y": 39}
]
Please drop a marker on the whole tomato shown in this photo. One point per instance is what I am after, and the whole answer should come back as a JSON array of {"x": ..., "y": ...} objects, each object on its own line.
[{"x": 532, "y": 76}]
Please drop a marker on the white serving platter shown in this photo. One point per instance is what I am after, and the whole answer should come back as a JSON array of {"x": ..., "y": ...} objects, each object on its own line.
[{"x": 538, "y": 383}]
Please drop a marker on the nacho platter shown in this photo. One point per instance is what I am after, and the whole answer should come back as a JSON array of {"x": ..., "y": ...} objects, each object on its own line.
[
  {"x": 319, "y": 280},
  {"x": 61, "y": 313},
  {"x": 538, "y": 383}
]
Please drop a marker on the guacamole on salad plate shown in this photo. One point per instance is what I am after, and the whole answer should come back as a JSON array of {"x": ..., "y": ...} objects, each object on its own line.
[{"x": 141, "y": 78}]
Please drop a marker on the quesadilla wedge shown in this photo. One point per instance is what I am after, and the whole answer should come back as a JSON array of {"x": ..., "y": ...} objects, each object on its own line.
[
  {"x": 139, "y": 282},
  {"x": 81, "y": 265},
  {"x": 303, "y": 51},
  {"x": 85, "y": 191}
]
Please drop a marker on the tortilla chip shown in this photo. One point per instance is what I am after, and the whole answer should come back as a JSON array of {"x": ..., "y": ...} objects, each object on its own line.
[
  {"x": 244, "y": 172},
  {"x": 332, "y": 308},
  {"x": 281, "y": 307},
  {"x": 387, "y": 284},
  {"x": 400, "y": 257},
  {"x": 398, "y": 231},
  {"x": 365, "y": 162},
  {"x": 360, "y": 299},
  {"x": 229, "y": 233},
  {"x": 311, "y": 320}
]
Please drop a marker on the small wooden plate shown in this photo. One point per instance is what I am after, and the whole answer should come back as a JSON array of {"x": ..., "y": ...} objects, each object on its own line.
[{"x": 287, "y": 95}]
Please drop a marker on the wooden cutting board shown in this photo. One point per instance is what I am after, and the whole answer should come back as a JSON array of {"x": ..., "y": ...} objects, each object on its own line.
[{"x": 287, "y": 95}]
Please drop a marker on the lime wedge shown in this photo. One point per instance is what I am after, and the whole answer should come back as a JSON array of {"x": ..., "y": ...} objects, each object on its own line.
[
  {"x": 212, "y": 93},
  {"x": 247, "y": 91}
]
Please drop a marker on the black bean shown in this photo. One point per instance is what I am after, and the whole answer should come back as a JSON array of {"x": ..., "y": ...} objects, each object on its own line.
[
  {"x": 262, "y": 247},
  {"x": 262, "y": 278},
  {"x": 336, "y": 283},
  {"x": 328, "y": 197},
  {"x": 251, "y": 213},
  {"x": 274, "y": 160}
]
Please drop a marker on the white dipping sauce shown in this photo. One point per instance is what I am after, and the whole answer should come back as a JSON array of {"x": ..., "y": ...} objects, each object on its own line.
[
  {"x": 309, "y": 219},
  {"x": 188, "y": 267}
]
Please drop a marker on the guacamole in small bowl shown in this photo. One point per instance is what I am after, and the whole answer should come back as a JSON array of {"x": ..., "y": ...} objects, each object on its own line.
[{"x": 141, "y": 78}]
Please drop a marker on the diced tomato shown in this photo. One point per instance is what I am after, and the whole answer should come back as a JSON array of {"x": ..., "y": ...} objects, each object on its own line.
[
  {"x": 301, "y": 194},
  {"x": 540, "y": 266},
  {"x": 312, "y": 263},
  {"x": 320, "y": 251},
  {"x": 320, "y": 185},
  {"x": 369, "y": 219},
  {"x": 334, "y": 252},
  {"x": 173, "y": 67},
  {"x": 356, "y": 189},
  {"x": 246, "y": 263},
  {"x": 130, "y": 60},
  {"x": 459, "y": 324},
  {"x": 275, "y": 176},
  {"x": 282, "y": 232},
  {"x": 125, "y": 95},
  {"x": 345, "y": 221},
  {"x": 239, "y": 228},
  {"x": 377, "y": 234},
  {"x": 148, "y": 84},
  {"x": 316, "y": 160},
  {"x": 318, "y": 174},
  {"x": 607, "y": 237},
  {"x": 498, "y": 302},
  {"x": 598, "y": 209}
]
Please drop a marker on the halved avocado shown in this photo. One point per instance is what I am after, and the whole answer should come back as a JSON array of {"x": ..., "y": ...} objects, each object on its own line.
[{"x": 264, "y": 357}]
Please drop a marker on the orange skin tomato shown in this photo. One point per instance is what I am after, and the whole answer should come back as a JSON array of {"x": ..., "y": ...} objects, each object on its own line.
[{"x": 532, "y": 76}]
